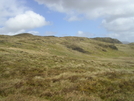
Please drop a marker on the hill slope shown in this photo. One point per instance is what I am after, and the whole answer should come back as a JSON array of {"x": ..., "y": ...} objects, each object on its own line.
[
  {"x": 109, "y": 40},
  {"x": 65, "y": 69}
]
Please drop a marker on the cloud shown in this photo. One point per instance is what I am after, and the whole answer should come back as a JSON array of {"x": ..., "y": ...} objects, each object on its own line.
[
  {"x": 121, "y": 28},
  {"x": 8, "y": 32},
  {"x": 34, "y": 32},
  {"x": 120, "y": 24},
  {"x": 117, "y": 15},
  {"x": 91, "y": 8},
  {"x": 84, "y": 34},
  {"x": 28, "y": 20},
  {"x": 49, "y": 33},
  {"x": 74, "y": 18},
  {"x": 17, "y": 18},
  {"x": 123, "y": 36},
  {"x": 10, "y": 8}
]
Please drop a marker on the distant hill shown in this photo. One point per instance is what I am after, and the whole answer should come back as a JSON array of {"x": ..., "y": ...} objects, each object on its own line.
[
  {"x": 108, "y": 40},
  {"x": 70, "y": 44},
  {"x": 24, "y": 34},
  {"x": 131, "y": 43}
]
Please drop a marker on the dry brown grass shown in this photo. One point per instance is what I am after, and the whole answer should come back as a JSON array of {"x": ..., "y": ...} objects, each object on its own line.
[{"x": 34, "y": 68}]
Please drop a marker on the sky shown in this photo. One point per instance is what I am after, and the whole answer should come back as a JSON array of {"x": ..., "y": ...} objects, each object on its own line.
[{"x": 82, "y": 18}]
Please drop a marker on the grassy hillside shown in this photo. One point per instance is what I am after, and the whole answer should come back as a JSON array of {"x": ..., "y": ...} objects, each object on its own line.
[
  {"x": 109, "y": 40},
  {"x": 35, "y": 68}
]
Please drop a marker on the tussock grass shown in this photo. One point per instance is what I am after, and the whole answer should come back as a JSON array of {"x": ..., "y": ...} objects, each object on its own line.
[{"x": 34, "y": 68}]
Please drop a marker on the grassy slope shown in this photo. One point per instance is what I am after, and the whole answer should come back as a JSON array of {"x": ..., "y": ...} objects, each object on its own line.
[{"x": 34, "y": 68}]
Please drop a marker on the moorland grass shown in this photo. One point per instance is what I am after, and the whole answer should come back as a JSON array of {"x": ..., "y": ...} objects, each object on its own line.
[{"x": 34, "y": 68}]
